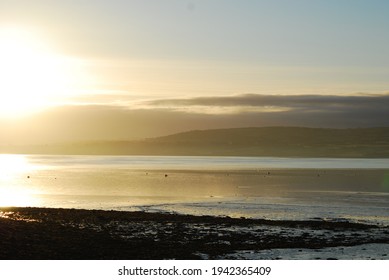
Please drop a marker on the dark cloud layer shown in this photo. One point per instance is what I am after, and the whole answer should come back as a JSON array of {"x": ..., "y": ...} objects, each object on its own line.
[
  {"x": 324, "y": 103},
  {"x": 297, "y": 110},
  {"x": 161, "y": 117}
]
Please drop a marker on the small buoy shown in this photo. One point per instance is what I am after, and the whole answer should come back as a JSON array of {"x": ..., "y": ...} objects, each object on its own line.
[
  {"x": 165, "y": 175},
  {"x": 28, "y": 177}
]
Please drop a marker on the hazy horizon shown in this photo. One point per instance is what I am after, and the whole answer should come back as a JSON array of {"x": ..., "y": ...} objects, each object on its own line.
[{"x": 118, "y": 70}]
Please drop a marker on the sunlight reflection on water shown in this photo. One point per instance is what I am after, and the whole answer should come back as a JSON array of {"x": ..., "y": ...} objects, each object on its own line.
[
  {"x": 275, "y": 188},
  {"x": 14, "y": 169},
  {"x": 20, "y": 197},
  {"x": 13, "y": 165}
]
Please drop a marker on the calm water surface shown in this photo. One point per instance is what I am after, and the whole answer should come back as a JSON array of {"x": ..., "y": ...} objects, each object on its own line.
[
  {"x": 265, "y": 187},
  {"x": 199, "y": 162}
]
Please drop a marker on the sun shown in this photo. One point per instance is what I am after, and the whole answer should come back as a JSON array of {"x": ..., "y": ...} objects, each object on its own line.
[{"x": 32, "y": 75}]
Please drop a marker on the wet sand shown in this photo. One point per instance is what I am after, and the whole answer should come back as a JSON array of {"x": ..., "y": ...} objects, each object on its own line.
[{"x": 49, "y": 233}]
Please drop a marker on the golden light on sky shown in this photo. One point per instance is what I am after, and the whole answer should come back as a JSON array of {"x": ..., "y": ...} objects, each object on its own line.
[
  {"x": 99, "y": 69},
  {"x": 33, "y": 75}
]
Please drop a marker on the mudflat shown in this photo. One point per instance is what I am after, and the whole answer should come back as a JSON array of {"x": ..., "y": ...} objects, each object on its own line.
[{"x": 49, "y": 233}]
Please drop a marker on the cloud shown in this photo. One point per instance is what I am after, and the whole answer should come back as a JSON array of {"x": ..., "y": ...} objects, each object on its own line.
[
  {"x": 302, "y": 103},
  {"x": 162, "y": 117},
  {"x": 300, "y": 110}
]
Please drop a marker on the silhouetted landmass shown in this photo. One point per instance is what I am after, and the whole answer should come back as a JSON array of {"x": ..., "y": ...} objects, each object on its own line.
[{"x": 256, "y": 141}]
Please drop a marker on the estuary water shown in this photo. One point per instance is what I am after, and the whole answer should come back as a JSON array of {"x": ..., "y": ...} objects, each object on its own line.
[
  {"x": 259, "y": 187},
  {"x": 199, "y": 162}
]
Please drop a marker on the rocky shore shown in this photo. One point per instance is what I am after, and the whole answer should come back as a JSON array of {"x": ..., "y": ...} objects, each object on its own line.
[{"x": 50, "y": 233}]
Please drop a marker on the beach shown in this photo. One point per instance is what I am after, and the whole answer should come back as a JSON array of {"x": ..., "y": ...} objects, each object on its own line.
[{"x": 48, "y": 233}]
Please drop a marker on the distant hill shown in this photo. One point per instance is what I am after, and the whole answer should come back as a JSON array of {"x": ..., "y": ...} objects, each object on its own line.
[{"x": 255, "y": 141}]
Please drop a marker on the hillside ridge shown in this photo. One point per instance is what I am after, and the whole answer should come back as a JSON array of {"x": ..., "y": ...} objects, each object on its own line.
[{"x": 246, "y": 141}]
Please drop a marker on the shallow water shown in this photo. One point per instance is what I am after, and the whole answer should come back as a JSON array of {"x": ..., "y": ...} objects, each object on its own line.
[
  {"x": 273, "y": 188},
  {"x": 201, "y": 162},
  {"x": 360, "y": 252}
]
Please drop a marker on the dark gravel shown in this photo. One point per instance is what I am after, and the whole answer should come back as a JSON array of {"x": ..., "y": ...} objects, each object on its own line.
[{"x": 48, "y": 233}]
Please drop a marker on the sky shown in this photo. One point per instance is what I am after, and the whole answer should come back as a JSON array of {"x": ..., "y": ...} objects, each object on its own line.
[{"x": 122, "y": 69}]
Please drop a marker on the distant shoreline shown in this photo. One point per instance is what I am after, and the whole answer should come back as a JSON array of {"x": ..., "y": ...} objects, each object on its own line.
[{"x": 258, "y": 141}]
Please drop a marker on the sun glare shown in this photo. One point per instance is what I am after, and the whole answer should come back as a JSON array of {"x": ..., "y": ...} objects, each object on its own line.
[
  {"x": 12, "y": 167},
  {"x": 15, "y": 198},
  {"x": 32, "y": 75}
]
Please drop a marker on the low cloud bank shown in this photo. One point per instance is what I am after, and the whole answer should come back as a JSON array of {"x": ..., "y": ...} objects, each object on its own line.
[{"x": 162, "y": 117}]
